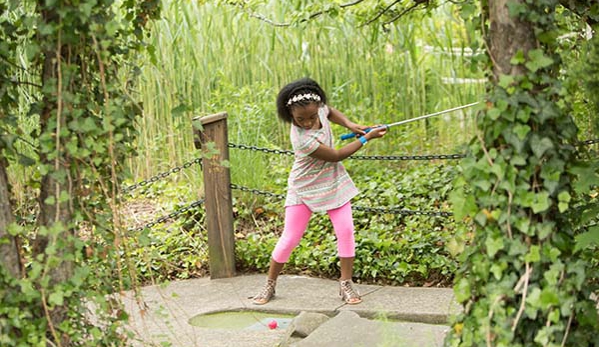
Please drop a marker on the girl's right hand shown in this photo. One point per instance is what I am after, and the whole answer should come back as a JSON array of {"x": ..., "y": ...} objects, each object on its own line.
[{"x": 377, "y": 131}]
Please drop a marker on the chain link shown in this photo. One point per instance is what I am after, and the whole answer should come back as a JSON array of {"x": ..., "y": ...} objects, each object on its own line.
[
  {"x": 162, "y": 175},
  {"x": 588, "y": 142},
  {"x": 169, "y": 216}
]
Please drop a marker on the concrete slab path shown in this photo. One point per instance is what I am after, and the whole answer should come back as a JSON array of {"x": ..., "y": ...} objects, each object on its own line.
[{"x": 388, "y": 316}]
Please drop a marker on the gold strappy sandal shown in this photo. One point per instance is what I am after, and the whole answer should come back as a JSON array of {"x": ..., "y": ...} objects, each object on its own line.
[
  {"x": 267, "y": 293},
  {"x": 348, "y": 294}
]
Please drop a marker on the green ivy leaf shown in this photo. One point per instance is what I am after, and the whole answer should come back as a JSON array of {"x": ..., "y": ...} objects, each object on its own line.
[
  {"x": 564, "y": 200},
  {"x": 545, "y": 229},
  {"x": 549, "y": 297},
  {"x": 56, "y": 298},
  {"x": 518, "y": 58},
  {"x": 505, "y": 81},
  {"x": 521, "y": 130},
  {"x": 462, "y": 290},
  {"x": 587, "y": 177},
  {"x": 537, "y": 60},
  {"x": 534, "y": 254},
  {"x": 494, "y": 113},
  {"x": 540, "y": 145},
  {"x": 493, "y": 245},
  {"x": 587, "y": 239},
  {"x": 455, "y": 246},
  {"x": 541, "y": 203}
]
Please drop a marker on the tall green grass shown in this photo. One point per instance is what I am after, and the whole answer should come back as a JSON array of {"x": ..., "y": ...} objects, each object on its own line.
[{"x": 215, "y": 58}]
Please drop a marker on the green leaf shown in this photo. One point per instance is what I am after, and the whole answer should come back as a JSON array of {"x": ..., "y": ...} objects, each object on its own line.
[
  {"x": 564, "y": 199},
  {"x": 549, "y": 297},
  {"x": 521, "y": 130},
  {"x": 587, "y": 239},
  {"x": 497, "y": 270},
  {"x": 455, "y": 246},
  {"x": 506, "y": 81},
  {"x": 518, "y": 160},
  {"x": 493, "y": 245},
  {"x": 541, "y": 203},
  {"x": 534, "y": 255},
  {"x": 181, "y": 108},
  {"x": 587, "y": 177},
  {"x": 523, "y": 224},
  {"x": 463, "y": 205},
  {"x": 494, "y": 113},
  {"x": 96, "y": 333},
  {"x": 197, "y": 124},
  {"x": 537, "y": 60},
  {"x": 518, "y": 58},
  {"x": 51, "y": 200},
  {"x": 462, "y": 290},
  {"x": 544, "y": 229},
  {"x": 56, "y": 298},
  {"x": 540, "y": 145}
]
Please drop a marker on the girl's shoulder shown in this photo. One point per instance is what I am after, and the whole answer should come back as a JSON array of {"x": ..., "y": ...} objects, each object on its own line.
[{"x": 324, "y": 110}]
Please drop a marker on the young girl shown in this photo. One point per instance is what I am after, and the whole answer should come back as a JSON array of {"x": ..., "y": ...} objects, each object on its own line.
[{"x": 318, "y": 181}]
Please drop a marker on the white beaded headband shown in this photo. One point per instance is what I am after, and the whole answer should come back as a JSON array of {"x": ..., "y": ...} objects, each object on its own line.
[{"x": 301, "y": 97}]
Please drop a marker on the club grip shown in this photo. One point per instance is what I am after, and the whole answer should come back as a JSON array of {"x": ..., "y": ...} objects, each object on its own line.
[
  {"x": 348, "y": 136},
  {"x": 352, "y": 135}
]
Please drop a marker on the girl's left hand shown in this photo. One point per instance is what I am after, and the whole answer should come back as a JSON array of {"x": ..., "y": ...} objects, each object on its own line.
[{"x": 357, "y": 129}]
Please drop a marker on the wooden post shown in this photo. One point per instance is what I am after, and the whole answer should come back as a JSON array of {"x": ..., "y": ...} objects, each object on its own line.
[{"x": 213, "y": 142}]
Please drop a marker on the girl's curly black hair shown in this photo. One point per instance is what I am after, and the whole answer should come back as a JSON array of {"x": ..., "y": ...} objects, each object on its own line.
[{"x": 298, "y": 87}]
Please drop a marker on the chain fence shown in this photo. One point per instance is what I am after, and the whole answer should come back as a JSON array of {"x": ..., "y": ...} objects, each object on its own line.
[
  {"x": 162, "y": 175},
  {"x": 377, "y": 210},
  {"x": 170, "y": 216}
]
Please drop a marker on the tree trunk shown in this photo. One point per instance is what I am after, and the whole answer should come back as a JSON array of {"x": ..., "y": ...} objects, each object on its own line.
[
  {"x": 55, "y": 213},
  {"x": 9, "y": 253},
  {"x": 507, "y": 35}
]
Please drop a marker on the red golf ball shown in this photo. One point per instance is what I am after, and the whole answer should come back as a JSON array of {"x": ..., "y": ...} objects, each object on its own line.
[{"x": 272, "y": 324}]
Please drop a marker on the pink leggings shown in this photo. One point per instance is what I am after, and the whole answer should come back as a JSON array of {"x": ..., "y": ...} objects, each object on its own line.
[{"x": 296, "y": 221}]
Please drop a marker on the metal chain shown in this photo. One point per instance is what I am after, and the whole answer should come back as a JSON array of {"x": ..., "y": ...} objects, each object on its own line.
[
  {"x": 261, "y": 149},
  {"x": 257, "y": 192},
  {"x": 409, "y": 157},
  {"x": 162, "y": 175},
  {"x": 588, "y": 142},
  {"x": 360, "y": 157},
  {"x": 393, "y": 210},
  {"x": 381, "y": 157},
  {"x": 171, "y": 215},
  {"x": 397, "y": 210}
]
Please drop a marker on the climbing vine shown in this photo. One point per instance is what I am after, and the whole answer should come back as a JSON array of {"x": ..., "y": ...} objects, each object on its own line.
[
  {"x": 73, "y": 131},
  {"x": 526, "y": 193}
]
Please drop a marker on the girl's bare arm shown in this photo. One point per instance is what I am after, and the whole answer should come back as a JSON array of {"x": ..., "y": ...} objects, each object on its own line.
[{"x": 327, "y": 153}]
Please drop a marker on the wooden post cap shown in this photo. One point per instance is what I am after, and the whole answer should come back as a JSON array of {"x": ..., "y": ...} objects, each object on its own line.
[{"x": 211, "y": 118}]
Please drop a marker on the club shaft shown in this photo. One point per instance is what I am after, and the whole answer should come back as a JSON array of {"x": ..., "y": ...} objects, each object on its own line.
[{"x": 431, "y": 115}]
